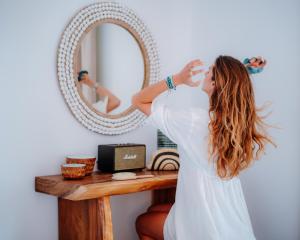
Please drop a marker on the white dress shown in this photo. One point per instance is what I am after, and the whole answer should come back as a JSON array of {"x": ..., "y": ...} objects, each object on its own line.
[
  {"x": 206, "y": 207},
  {"x": 101, "y": 105}
]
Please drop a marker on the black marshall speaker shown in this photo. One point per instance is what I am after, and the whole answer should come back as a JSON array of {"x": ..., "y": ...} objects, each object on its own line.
[{"x": 121, "y": 157}]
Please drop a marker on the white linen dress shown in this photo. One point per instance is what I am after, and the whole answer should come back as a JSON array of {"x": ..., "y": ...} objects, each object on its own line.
[
  {"x": 101, "y": 105},
  {"x": 206, "y": 207}
]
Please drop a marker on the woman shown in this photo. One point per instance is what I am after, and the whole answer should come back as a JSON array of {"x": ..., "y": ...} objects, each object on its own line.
[
  {"x": 109, "y": 101},
  {"x": 214, "y": 147}
]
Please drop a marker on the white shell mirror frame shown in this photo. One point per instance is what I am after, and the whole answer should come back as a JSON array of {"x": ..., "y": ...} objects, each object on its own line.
[{"x": 80, "y": 24}]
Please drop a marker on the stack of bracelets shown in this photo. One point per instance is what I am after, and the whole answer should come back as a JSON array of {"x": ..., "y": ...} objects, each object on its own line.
[{"x": 170, "y": 83}]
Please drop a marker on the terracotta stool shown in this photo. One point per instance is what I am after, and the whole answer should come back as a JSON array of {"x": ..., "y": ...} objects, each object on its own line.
[{"x": 149, "y": 225}]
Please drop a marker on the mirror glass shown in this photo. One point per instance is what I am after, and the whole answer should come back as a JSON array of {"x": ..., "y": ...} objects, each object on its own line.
[{"x": 109, "y": 68}]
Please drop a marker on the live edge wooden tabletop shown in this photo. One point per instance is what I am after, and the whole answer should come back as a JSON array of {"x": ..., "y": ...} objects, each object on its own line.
[{"x": 100, "y": 184}]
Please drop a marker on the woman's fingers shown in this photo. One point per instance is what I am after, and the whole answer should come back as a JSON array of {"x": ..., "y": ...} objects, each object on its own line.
[
  {"x": 263, "y": 63},
  {"x": 194, "y": 63},
  {"x": 187, "y": 73},
  {"x": 196, "y": 72},
  {"x": 194, "y": 84},
  {"x": 261, "y": 59},
  {"x": 260, "y": 62}
]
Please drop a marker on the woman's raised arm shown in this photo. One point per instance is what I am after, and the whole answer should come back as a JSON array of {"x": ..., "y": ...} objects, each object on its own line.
[{"x": 143, "y": 99}]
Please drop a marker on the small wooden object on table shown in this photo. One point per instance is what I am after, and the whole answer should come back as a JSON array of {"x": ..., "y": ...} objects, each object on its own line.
[
  {"x": 89, "y": 161},
  {"x": 84, "y": 205}
]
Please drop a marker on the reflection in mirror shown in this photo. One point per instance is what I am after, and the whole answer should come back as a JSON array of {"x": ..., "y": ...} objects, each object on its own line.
[{"x": 110, "y": 68}]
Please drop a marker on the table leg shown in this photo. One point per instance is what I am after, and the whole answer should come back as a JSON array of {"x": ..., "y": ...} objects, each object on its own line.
[
  {"x": 165, "y": 195},
  {"x": 85, "y": 220}
]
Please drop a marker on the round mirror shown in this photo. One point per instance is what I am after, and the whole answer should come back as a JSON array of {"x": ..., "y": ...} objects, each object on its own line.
[
  {"x": 110, "y": 68},
  {"x": 106, "y": 54}
]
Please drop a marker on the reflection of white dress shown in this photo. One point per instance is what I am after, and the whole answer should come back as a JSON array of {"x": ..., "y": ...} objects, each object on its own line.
[
  {"x": 101, "y": 105},
  {"x": 206, "y": 207}
]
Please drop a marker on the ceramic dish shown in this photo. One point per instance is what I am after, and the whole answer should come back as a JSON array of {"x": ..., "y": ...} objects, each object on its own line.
[
  {"x": 73, "y": 171},
  {"x": 128, "y": 176},
  {"x": 84, "y": 159}
]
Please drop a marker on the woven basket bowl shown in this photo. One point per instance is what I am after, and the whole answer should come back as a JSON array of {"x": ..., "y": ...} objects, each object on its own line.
[
  {"x": 73, "y": 171},
  {"x": 89, "y": 161}
]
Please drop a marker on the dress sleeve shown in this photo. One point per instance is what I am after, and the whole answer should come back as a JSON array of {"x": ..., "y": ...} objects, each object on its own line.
[{"x": 175, "y": 123}]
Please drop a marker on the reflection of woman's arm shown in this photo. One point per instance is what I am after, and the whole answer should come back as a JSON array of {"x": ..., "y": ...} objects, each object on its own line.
[{"x": 113, "y": 101}]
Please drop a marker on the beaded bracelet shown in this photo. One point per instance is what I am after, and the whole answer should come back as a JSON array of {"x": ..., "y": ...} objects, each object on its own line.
[{"x": 170, "y": 83}]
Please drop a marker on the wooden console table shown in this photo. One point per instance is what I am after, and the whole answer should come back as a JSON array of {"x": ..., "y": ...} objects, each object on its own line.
[{"x": 84, "y": 205}]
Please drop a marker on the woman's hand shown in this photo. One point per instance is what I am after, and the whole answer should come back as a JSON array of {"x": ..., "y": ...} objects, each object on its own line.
[
  {"x": 255, "y": 64},
  {"x": 144, "y": 98},
  {"x": 185, "y": 75},
  {"x": 258, "y": 62}
]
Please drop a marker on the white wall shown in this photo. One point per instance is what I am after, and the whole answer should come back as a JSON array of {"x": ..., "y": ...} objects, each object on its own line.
[{"x": 38, "y": 130}]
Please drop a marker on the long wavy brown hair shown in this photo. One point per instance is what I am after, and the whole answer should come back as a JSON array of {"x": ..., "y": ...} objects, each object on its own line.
[{"x": 237, "y": 133}]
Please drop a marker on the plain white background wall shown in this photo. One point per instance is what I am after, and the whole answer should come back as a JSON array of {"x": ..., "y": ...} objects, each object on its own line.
[{"x": 38, "y": 130}]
